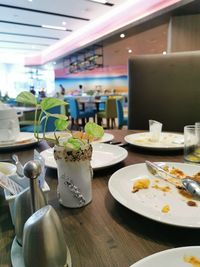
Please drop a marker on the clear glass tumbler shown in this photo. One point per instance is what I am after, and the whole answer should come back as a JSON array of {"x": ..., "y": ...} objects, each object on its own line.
[{"x": 192, "y": 143}]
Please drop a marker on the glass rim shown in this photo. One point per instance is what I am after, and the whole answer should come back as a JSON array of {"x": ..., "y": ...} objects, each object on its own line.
[{"x": 192, "y": 126}]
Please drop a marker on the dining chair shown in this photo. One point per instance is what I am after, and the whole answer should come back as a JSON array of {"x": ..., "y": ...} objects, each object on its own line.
[
  {"x": 122, "y": 120},
  {"x": 110, "y": 113},
  {"x": 102, "y": 105},
  {"x": 77, "y": 114},
  {"x": 50, "y": 127}
]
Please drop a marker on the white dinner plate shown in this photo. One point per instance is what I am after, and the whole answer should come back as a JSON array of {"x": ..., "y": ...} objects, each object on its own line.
[
  {"x": 103, "y": 155},
  {"x": 168, "y": 141},
  {"x": 105, "y": 138},
  {"x": 23, "y": 139},
  {"x": 176, "y": 257},
  {"x": 149, "y": 202}
]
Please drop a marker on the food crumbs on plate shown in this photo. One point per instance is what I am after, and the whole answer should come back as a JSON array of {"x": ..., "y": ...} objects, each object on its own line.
[
  {"x": 141, "y": 184},
  {"x": 162, "y": 188},
  {"x": 177, "y": 172},
  {"x": 194, "y": 261},
  {"x": 185, "y": 193},
  {"x": 191, "y": 203},
  {"x": 165, "y": 209}
]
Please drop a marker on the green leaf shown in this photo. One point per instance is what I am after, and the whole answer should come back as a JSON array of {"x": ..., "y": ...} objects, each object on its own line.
[
  {"x": 58, "y": 116},
  {"x": 50, "y": 102},
  {"x": 74, "y": 143},
  {"x": 61, "y": 125},
  {"x": 26, "y": 98},
  {"x": 93, "y": 129}
]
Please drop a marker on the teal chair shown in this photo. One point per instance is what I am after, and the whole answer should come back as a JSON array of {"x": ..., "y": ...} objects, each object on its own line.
[
  {"x": 77, "y": 114},
  {"x": 50, "y": 127},
  {"x": 120, "y": 114}
]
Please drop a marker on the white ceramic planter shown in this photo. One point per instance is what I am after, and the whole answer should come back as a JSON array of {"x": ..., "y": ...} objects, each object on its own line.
[{"x": 74, "y": 176}]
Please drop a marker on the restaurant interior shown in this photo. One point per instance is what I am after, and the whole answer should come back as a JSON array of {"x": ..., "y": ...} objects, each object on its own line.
[{"x": 100, "y": 133}]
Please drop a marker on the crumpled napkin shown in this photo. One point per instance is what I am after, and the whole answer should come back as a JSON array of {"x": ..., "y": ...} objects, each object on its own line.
[{"x": 155, "y": 129}]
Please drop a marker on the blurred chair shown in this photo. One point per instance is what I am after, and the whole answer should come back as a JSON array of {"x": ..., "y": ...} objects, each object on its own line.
[
  {"x": 102, "y": 105},
  {"x": 120, "y": 114},
  {"x": 11, "y": 102},
  {"x": 110, "y": 113},
  {"x": 50, "y": 127},
  {"x": 165, "y": 88},
  {"x": 28, "y": 118},
  {"x": 77, "y": 114}
]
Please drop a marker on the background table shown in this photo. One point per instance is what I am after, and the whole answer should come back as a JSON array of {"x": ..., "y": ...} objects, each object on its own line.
[{"x": 104, "y": 233}]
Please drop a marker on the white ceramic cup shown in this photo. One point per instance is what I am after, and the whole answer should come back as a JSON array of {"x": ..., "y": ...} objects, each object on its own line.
[{"x": 9, "y": 126}]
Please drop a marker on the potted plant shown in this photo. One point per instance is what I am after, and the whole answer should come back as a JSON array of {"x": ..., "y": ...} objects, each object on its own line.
[{"x": 72, "y": 152}]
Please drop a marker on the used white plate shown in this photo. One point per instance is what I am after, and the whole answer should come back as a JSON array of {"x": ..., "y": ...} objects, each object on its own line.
[
  {"x": 105, "y": 138},
  {"x": 103, "y": 155},
  {"x": 24, "y": 139},
  {"x": 168, "y": 141},
  {"x": 176, "y": 257},
  {"x": 149, "y": 202}
]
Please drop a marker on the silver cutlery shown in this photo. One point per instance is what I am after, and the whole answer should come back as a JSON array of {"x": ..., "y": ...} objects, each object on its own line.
[
  {"x": 20, "y": 168},
  {"x": 187, "y": 183}
]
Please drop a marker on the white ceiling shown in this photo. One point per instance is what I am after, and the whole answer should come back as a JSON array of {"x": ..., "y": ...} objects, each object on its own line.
[
  {"x": 20, "y": 21},
  {"x": 21, "y": 33}
]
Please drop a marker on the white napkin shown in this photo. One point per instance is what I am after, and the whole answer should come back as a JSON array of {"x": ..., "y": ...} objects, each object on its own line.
[{"x": 155, "y": 129}]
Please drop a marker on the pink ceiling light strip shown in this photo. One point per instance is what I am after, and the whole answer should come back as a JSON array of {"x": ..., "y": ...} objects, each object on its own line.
[{"x": 119, "y": 17}]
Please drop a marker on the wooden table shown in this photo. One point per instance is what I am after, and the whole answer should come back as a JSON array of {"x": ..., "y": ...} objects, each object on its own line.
[
  {"x": 104, "y": 233},
  {"x": 95, "y": 102}
]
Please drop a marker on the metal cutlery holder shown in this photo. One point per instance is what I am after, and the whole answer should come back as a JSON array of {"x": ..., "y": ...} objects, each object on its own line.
[{"x": 36, "y": 223}]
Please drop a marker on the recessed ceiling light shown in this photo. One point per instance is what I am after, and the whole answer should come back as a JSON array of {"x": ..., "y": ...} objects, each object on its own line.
[
  {"x": 54, "y": 27},
  {"x": 164, "y": 52},
  {"x": 130, "y": 51},
  {"x": 64, "y": 23},
  {"x": 30, "y": 0},
  {"x": 122, "y": 35}
]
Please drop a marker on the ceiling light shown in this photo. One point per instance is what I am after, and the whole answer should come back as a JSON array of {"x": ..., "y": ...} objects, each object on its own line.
[
  {"x": 130, "y": 51},
  {"x": 122, "y": 35},
  {"x": 30, "y": 0},
  {"x": 54, "y": 27},
  {"x": 64, "y": 23},
  {"x": 99, "y": 1},
  {"x": 164, "y": 52}
]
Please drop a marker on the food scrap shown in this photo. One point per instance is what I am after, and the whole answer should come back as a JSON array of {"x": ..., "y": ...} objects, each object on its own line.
[
  {"x": 166, "y": 209},
  {"x": 162, "y": 188},
  {"x": 191, "y": 203},
  {"x": 141, "y": 184},
  {"x": 194, "y": 261}
]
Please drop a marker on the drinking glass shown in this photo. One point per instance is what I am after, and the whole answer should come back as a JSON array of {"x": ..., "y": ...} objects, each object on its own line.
[{"x": 192, "y": 143}]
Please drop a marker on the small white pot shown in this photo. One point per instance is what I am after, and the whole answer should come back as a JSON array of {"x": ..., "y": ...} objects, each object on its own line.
[{"x": 74, "y": 176}]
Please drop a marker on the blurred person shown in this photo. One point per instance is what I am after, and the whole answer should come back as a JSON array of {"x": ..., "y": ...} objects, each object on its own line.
[
  {"x": 62, "y": 91},
  {"x": 32, "y": 90}
]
